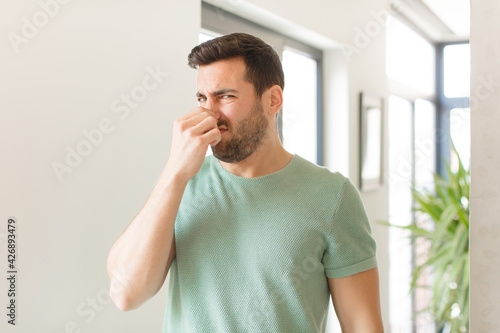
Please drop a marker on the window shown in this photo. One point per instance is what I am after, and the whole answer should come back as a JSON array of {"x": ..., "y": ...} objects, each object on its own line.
[
  {"x": 424, "y": 152},
  {"x": 460, "y": 136},
  {"x": 456, "y": 62},
  {"x": 425, "y": 143},
  {"x": 453, "y": 97},
  {"x": 300, "y": 104},
  {"x": 400, "y": 213},
  {"x": 411, "y": 68},
  {"x": 432, "y": 82},
  {"x": 299, "y": 121},
  {"x": 206, "y": 36}
]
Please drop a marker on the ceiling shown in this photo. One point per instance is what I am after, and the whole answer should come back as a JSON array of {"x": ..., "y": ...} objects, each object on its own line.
[
  {"x": 454, "y": 13},
  {"x": 439, "y": 20}
]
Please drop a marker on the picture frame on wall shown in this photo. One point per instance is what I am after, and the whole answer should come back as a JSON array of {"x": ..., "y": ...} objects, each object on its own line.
[{"x": 371, "y": 112}]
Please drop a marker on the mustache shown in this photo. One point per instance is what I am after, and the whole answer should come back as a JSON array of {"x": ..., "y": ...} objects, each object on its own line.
[{"x": 223, "y": 122}]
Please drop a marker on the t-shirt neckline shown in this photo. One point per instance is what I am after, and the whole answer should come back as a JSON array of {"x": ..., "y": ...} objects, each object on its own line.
[{"x": 227, "y": 174}]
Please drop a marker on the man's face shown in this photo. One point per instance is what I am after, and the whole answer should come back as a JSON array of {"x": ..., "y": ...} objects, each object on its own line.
[{"x": 243, "y": 123}]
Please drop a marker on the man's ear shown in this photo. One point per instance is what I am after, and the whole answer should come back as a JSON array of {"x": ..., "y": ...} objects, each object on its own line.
[{"x": 276, "y": 99}]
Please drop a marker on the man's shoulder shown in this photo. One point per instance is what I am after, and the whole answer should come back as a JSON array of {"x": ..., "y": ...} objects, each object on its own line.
[{"x": 312, "y": 172}]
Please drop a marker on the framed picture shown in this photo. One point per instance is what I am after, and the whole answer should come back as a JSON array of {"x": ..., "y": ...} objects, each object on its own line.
[{"x": 370, "y": 150}]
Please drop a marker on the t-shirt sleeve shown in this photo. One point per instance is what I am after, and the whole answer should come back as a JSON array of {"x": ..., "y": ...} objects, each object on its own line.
[{"x": 350, "y": 247}]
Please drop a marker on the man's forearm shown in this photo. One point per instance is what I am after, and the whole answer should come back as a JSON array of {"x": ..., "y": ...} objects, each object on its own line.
[
  {"x": 140, "y": 259},
  {"x": 356, "y": 300}
]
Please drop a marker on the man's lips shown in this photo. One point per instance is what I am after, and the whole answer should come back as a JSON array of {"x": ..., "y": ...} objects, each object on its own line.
[{"x": 222, "y": 129}]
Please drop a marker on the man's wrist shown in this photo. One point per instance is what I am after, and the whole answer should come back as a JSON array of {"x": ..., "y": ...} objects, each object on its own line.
[{"x": 172, "y": 180}]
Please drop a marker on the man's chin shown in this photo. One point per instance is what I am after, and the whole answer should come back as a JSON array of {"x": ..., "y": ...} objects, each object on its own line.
[
  {"x": 218, "y": 154},
  {"x": 225, "y": 157}
]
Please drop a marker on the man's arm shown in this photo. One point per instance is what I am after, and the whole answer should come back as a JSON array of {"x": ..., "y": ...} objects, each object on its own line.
[
  {"x": 139, "y": 260},
  {"x": 356, "y": 300}
]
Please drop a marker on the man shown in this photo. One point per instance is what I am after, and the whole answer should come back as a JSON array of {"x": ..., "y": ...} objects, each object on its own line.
[{"x": 256, "y": 238}]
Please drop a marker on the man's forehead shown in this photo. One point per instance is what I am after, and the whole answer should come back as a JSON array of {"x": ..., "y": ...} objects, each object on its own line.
[
  {"x": 222, "y": 75},
  {"x": 234, "y": 67}
]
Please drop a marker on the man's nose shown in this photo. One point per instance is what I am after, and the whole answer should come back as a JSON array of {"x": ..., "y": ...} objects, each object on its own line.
[
  {"x": 212, "y": 106},
  {"x": 216, "y": 114}
]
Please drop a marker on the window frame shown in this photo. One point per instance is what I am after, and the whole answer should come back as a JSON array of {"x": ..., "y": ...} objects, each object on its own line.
[{"x": 443, "y": 107}]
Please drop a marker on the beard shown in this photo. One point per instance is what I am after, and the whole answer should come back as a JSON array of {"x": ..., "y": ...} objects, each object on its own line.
[{"x": 246, "y": 137}]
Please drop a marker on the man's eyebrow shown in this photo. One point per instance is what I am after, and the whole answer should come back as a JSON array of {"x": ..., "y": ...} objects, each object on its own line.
[
  {"x": 218, "y": 92},
  {"x": 223, "y": 92}
]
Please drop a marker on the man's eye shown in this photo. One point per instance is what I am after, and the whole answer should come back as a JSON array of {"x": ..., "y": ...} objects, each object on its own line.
[
  {"x": 202, "y": 99},
  {"x": 227, "y": 96}
]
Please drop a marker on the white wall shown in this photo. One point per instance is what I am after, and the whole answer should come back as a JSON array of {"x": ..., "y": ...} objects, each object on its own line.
[
  {"x": 63, "y": 80},
  {"x": 485, "y": 163}
]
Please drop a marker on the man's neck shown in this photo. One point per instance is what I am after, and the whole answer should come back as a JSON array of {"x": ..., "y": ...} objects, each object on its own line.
[{"x": 268, "y": 158}]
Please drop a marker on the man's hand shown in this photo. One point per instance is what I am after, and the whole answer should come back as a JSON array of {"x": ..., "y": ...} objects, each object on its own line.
[{"x": 192, "y": 134}]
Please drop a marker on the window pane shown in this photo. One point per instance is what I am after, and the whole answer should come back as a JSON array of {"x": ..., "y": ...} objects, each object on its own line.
[
  {"x": 456, "y": 70},
  {"x": 425, "y": 143},
  {"x": 206, "y": 35},
  {"x": 300, "y": 105},
  {"x": 371, "y": 154},
  {"x": 203, "y": 38},
  {"x": 460, "y": 135},
  {"x": 400, "y": 212},
  {"x": 410, "y": 58},
  {"x": 425, "y": 165}
]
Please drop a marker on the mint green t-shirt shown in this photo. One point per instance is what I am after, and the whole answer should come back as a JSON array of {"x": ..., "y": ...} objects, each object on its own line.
[{"x": 255, "y": 254}]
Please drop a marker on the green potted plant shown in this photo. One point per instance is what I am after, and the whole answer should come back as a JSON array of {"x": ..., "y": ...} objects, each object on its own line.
[{"x": 447, "y": 206}]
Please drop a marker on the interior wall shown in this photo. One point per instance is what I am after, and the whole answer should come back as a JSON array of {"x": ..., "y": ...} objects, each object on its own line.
[
  {"x": 89, "y": 91},
  {"x": 485, "y": 163}
]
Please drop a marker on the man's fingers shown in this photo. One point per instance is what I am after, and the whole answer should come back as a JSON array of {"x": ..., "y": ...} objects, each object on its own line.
[
  {"x": 193, "y": 120},
  {"x": 194, "y": 112},
  {"x": 204, "y": 125},
  {"x": 198, "y": 118},
  {"x": 191, "y": 113},
  {"x": 213, "y": 136}
]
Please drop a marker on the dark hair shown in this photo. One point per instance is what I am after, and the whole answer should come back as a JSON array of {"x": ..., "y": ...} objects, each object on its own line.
[{"x": 263, "y": 65}]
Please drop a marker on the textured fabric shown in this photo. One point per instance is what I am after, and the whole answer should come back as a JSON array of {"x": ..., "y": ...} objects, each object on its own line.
[{"x": 254, "y": 254}]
